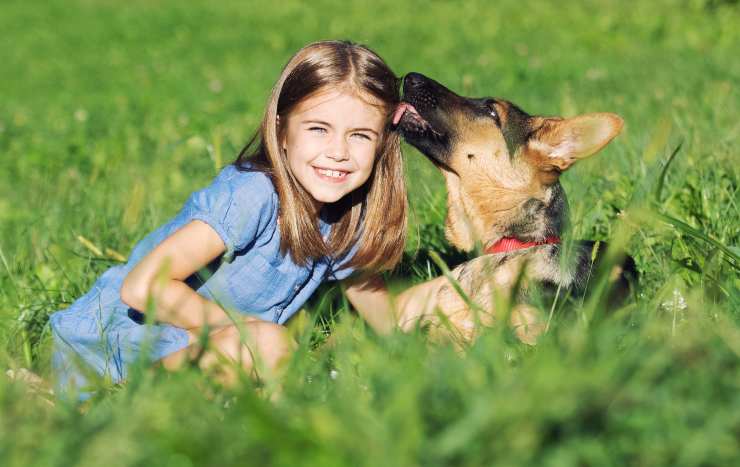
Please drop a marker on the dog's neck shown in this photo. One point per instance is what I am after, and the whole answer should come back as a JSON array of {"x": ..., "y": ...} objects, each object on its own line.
[
  {"x": 470, "y": 219},
  {"x": 468, "y": 223},
  {"x": 509, "y": 244},
  {"x": 459, "y": 228},
  {"x": 483, "y": 219}
]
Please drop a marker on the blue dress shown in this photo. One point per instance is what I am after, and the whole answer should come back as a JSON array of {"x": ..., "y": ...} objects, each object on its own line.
[{"x": 99, "y": 335}]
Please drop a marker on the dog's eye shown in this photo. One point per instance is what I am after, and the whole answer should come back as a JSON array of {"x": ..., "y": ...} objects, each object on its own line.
[
  {"x": 495, "y": 116},
  {"x": 493, "y": 112}
]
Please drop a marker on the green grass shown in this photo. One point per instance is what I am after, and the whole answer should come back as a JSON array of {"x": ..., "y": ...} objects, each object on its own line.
[{"x": 112, "y": 113}]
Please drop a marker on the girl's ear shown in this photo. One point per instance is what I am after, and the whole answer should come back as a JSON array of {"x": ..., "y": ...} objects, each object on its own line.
[{"x": 280, "y": 133}]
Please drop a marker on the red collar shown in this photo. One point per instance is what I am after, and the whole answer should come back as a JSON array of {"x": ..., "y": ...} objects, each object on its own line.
[{"x": 507, "y": 244}]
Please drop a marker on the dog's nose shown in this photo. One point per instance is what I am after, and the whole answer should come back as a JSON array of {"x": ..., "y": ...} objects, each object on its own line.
[{"x": 414, "y": 80}]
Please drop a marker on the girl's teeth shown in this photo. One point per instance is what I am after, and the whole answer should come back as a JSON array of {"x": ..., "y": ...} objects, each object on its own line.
[{"x": 331, "y": 173}]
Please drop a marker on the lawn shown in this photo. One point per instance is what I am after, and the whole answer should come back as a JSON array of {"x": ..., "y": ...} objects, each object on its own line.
[{"x": 114, "y": 112}]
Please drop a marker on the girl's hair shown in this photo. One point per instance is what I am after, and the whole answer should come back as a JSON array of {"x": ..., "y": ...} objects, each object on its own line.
[{"x": 374, "y": 214}]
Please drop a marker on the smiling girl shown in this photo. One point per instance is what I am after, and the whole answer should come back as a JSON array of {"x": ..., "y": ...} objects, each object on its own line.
[{"x": 316, "y": 195}]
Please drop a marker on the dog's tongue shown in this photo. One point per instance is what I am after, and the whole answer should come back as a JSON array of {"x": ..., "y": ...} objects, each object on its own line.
[{"x": 400, "y": 110}]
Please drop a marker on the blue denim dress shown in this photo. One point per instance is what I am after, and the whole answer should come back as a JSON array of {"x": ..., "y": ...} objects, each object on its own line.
[{"x": 99, "y": 335}]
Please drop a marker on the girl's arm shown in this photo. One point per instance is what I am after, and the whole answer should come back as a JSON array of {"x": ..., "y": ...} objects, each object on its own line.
[
  {"x": 160, "y": 274},
  {"x": 382, "y": 312},
  {"x": 372, "y": 301}
]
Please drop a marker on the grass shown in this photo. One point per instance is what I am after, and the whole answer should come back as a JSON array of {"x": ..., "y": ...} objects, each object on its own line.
[{"x": 113, "y": 113}]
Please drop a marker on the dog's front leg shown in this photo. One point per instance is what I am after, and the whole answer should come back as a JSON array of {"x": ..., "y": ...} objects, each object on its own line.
[
  {"x": 439, "y": 306},
  {"x": 447, "y": 313},
  {"x": 418, "y": 303}
]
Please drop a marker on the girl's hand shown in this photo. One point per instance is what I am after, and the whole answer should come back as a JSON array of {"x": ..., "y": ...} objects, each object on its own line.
[
  {"x": 372, "y": 301},
  {"x": 160, "y": 275},
  {"x": 193, "y": 335}
]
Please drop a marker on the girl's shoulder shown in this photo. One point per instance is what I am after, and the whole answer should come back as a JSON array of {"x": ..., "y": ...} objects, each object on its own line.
[
  {"x": 247, "y": 181},
  {"x": 240, "y": 205},
  {"x": 246, "y": 187}
]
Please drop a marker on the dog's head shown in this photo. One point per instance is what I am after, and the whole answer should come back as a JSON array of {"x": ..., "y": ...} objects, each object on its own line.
[{"x": 501, "y": 164}]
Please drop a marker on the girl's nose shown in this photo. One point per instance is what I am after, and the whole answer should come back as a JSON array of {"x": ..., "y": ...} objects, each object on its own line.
[
  {"x": 338, "y": 150},
  {"x": 337, "y": 156}
]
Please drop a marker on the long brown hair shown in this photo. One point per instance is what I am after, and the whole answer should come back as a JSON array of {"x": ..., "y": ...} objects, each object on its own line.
[{"x": 375, "y": 213}]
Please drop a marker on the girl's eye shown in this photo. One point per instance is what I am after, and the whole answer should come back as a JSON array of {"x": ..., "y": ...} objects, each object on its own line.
[
  {"x": 362, "y": 136},
  {"x": 317, "y": 129}
]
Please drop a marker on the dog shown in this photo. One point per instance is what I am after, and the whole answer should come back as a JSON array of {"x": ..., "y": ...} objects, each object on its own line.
[{"x": 501, "y": 167}]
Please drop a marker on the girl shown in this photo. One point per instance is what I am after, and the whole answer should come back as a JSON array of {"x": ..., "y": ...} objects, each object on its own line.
[{"x": 317, "y": 194}]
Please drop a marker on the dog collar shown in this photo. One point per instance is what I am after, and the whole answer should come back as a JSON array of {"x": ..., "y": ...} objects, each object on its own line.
[{"x": 507, "y": 244}]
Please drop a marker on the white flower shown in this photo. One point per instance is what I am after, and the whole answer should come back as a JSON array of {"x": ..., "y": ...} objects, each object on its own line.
[{"x": 677, "y": 303}]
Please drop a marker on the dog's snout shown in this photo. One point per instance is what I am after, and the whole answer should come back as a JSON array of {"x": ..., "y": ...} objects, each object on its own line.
[
  {"x": 421, "y": 92},
  {"x": 414, "y": 80}
]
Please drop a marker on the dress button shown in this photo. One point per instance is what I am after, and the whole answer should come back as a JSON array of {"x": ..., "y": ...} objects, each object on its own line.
[{"x": 296, "y": 288}]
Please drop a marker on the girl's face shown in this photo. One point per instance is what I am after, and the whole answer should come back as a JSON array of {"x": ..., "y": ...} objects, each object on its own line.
[{"x": 330, "y": 140}]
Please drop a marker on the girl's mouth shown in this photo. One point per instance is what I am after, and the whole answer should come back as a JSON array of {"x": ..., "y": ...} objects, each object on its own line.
[{"x": 333, "y": 176}]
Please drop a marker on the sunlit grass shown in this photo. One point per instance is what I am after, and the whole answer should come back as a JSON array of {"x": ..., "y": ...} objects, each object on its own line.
[{"x": 113, "y": 113}]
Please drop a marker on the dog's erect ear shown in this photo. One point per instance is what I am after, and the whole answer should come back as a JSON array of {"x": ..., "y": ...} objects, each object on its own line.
[{"x": 561, "y": 142}]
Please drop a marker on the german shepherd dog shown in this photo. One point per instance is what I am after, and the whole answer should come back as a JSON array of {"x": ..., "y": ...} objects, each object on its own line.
[{"x": 501, "y": 167}]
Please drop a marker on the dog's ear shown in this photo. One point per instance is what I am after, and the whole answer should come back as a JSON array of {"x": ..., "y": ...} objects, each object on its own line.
[{"x": 561, "y": 142}]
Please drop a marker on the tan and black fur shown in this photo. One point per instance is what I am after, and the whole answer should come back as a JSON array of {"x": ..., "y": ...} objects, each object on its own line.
[{"x": 501, "y": 167}]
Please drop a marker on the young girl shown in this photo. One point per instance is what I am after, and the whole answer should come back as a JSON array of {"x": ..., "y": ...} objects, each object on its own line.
[{"x": 317, "y": 194}]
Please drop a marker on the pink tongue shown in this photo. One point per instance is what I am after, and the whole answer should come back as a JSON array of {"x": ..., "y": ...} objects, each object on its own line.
[{"x": 400, "y": 110}]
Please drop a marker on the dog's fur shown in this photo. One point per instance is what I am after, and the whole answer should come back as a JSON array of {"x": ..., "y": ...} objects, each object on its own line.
[{"x": 501, "y": 167}]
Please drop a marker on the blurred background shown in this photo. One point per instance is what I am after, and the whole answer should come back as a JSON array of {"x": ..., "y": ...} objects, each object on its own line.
[{"x": 112, "y": 113}]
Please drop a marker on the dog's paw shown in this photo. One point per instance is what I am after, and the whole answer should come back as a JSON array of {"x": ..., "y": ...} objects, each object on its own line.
[{"x": 528, "y": 323}]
